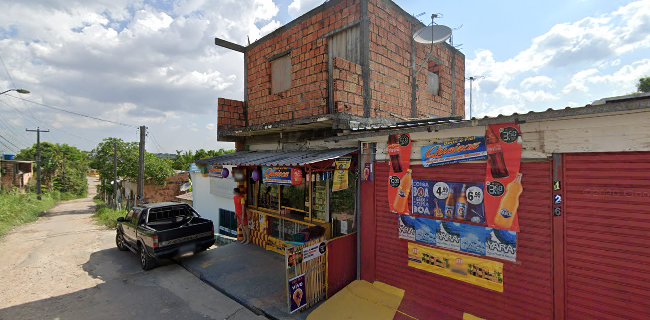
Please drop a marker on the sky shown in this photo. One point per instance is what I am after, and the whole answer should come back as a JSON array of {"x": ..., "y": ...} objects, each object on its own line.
[{"x": 154, "y": 62}]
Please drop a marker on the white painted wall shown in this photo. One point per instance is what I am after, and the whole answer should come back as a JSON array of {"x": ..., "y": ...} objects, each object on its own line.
[{"x": 211, "y": 194}]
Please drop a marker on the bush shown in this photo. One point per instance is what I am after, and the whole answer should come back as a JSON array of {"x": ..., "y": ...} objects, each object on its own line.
[
  {"x": 107, "y": 216},
  {"x": 18, "y": 208}
]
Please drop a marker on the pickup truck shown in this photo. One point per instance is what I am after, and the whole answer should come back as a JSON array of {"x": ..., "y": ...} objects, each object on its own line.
[{"x": 163, "y": 230}]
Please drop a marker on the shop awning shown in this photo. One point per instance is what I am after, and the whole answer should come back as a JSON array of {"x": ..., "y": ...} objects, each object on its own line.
[{"x": 277, "y": 158}]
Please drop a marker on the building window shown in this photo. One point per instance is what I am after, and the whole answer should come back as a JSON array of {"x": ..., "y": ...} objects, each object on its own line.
[
  {"x": 281, "y": 74},
  {"x": 433, "y": 78}
]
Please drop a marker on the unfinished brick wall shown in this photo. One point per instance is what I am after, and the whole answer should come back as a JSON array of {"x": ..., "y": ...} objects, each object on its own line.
[
  {"x": 230, "y": 114},
  {"x": 391, "y": 32},
  {"x": 348, "y": 87},
  {"x": 306, "y": 44}
]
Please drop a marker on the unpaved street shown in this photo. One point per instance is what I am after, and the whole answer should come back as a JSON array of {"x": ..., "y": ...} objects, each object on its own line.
[{"x": 65, "y": 266}]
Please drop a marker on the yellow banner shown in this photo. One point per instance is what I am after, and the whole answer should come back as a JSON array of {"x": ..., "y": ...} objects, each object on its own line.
[
  {"x": 480, "y": 272},
  {"x": 341, "y": 174}
]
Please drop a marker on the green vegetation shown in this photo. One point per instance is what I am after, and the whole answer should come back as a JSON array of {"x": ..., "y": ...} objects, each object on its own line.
[
  {"x": 19, "y": 208},
  {"x": 185, "y": 158},
  {"x": 63, "y": 168},
  {"x": 643, "y": 85},
  {"x": 107, "y": 216}
]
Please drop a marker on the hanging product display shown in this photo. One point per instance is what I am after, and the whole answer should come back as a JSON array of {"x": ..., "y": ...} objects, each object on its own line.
[
  {"x": 400, "y": 179},
  {"x": 454, "y": 150},
  {"x": 340, "y": 178},
  {"x": 456, "y": 201},
  {"x": 503, "y": 179},
  {"x": 480, "y": 272}
]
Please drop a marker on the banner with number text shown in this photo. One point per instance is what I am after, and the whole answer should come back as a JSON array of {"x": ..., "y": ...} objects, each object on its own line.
[
  {"x": 480, "y": 272},
  {"x": 457, "y": 201},
  {"x": 503, "y": 179},
  {"x": 400, "y": 179}
]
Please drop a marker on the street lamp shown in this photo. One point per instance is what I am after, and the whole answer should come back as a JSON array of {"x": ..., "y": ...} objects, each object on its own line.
[{"x": 21, "y": 91}]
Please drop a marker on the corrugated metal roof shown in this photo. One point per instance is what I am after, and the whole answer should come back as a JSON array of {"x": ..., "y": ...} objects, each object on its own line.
[
  {"x": 277, "y": 158},
  {"x": 410, "y": 124}
]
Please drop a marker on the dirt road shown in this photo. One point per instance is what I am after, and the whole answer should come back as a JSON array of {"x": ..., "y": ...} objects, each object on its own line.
[{"x": 65, "y": 266}]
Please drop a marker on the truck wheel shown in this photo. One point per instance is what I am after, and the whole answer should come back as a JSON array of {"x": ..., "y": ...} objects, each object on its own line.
[
  {"x": 146, "y": 261},
  {"x": 119, "y": 241}
]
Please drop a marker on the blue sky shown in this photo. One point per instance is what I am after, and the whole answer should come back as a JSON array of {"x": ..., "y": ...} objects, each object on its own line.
[{"x": 155, "y": 63}]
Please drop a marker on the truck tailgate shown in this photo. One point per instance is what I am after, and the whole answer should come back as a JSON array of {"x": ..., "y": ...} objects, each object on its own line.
[{"x": 199, "y": 229}]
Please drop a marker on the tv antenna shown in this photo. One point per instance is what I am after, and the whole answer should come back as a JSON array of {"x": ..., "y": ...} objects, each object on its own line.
[{"x": 471, "y": 82}]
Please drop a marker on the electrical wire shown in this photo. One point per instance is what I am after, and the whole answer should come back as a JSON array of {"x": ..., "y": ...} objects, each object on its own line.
[
  {"x": 72, "y": 112},
  {"x": 155, "y": 141}
]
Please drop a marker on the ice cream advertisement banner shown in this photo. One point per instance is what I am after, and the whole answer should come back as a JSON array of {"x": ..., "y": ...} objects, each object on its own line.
[
  {"x": 276, "y": 175},
  {"x": 476, "y": 240},
  {"x": 455, "y": 201},
  {"x": 501, "y": 244},
  {"x": 480, "y": 272},
  {"x": 503, "y": 179},
  {"x": 400, "y": 179},
  {"x": 454, "y": 150},
  {"x": 297, "y": 293}
]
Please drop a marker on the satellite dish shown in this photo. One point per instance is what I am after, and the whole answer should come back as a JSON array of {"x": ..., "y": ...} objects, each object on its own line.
[{"x": 432, "y": 34}]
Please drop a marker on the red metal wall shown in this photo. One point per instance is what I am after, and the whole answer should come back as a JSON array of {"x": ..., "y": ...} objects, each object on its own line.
[
  {"x": 341, "y": 263},
  {"x": 527, "y": 283},
  {"x": 607, "y": 224}
]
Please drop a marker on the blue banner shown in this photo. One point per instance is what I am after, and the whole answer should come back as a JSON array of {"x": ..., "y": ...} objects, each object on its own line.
[
  {"x": 454, "y": 150},
  {"x": 297, "y": 293},
  {"x": 276, "y": 175},
  {"x": 501, "y": 244}
]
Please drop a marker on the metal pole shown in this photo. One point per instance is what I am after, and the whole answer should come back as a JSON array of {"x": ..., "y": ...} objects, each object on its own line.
[
  {"x": 471, "y": 82},
  {"x": 38, "y": 160},
  {"x": 143, "y": 133},
  {"x": 114, "y": 175}
]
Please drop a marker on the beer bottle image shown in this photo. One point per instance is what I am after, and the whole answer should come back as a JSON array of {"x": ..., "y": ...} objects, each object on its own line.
[
  {"x": 393, "y": 152},
  {"x": 498, "y": 168},
  {"x": 450, "y": 204},
  {"x": 400, "y": 204},
  {"x": 461, "y": 205},
  {"x": 509, "y": 203}
]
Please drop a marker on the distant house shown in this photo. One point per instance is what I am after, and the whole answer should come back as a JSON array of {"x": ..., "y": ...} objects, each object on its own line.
[
  {"x": 166, "y": 192},
  {"x": 15, "y": 174}
]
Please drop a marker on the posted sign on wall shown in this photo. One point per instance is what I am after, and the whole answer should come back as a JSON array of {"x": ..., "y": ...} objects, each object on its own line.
[
  {"x": 276, "y": 175},
  {"x": 454, "y": 150}
]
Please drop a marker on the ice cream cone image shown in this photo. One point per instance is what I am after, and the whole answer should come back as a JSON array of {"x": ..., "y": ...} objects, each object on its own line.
[{"x": 297, "y": 296}]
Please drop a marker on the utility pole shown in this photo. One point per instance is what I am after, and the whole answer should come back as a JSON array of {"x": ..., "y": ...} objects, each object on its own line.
[
  {"x": 114, "y": 175},
  {"x": 143, "y": 133},
  {"x": 471, "y": 82},
  {"x": 38, "y": 159}
]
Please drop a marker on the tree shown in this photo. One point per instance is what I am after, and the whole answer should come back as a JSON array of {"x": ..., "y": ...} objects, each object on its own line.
[
  {"x": 643, "y": 85},
  {"x": 63, "y": 167},
  {"x": 185, "y": 158}
]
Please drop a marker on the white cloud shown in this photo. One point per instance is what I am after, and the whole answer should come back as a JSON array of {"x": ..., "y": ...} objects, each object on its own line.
[
  {"x": 300, "y": 7},
  {"x": 536, "y": 82}
]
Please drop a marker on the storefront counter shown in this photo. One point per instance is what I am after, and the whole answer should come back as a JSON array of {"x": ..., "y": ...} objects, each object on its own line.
[{"x": 272, "y": 230}]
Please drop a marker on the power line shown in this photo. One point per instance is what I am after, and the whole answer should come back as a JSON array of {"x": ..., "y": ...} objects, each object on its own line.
[
  {"x": 158, "y": 146},
  {"x": 12, "y": 131},
  {"x": 72, "y": 112}
]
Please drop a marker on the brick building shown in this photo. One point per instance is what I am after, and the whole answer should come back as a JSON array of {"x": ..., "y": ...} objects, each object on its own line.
[
  {"x": 343, "y": 64},
  {"x": 15, "y": 174}
]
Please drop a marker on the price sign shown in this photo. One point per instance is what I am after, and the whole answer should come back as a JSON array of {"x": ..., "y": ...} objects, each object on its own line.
[
  {"x": 495, "y": 188},
  {"x": 394, "y": 181},
  {"x": 404, "y": 140},
  {"x": 509, "y": 134},
  {"x": 474, "y": 195},
  {"x": 441, "y": 190}
]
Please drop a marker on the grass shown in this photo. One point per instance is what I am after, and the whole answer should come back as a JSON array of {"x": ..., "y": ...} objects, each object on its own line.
[
  {"x": 107, "y": 216},
  {"x": 19, "y": 208}
]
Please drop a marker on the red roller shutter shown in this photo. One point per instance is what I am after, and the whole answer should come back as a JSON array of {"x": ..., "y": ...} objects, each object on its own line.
[
  {"x": 607, "y": 223},
  {"x": 527, "y": 283}
]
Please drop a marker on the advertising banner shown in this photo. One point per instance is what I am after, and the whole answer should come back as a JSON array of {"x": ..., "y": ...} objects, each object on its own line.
[
  {"x": 503, "y": 179},
  {"x": 456, "y": 201},
  {"x": 454, "y": 150},
  {"x": 407, "y": 225},
  {"x": 314, "y": 251},
  {"x": 400, "y": 179},
  {"x": 501, "y": 244},
  {"x": 473, "y": 239},
  {"x": 276, "y": 175},
  {"x": 217, "y": 171},
  {"x": 340, "y": 178},
  {"x": 297, "y": 293},
  {"x": 448, "y": 235},
  {"x": 480, "y": 272}
]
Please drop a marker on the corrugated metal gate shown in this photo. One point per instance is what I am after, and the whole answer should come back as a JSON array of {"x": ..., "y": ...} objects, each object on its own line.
[
  {"x": 528, "y": 283},
  {"x": 607, "y": 225}
]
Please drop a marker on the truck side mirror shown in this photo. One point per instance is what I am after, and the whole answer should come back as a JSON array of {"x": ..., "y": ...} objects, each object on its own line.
[{"x": 120, "y": 219}]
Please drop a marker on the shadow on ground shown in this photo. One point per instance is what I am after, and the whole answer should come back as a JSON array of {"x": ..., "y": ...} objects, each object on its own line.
[{"x": 125, "y": 292}]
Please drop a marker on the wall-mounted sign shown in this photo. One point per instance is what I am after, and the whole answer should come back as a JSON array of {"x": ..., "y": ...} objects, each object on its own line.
[
  {"x": 340, "y": 178},
  {"x": 276, "y": 175},
  {"x": 217, "y": 171},
  {"x": 314, "y": 251},
  {"x": 296, "y": 176},
  {"x": 480, "y": 272},
  {"x": 501, "y": 244},
  {"x": 449, "y": 200},
  {"x": 454, "y": 150},
  {"x": 400, "y": 179},
  {"x": 503, "y": 179}
]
